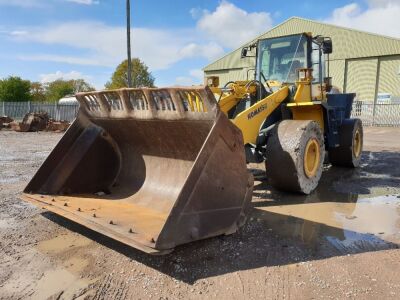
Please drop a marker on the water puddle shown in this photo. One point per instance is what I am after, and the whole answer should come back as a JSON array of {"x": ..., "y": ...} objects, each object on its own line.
[
  {"x": 35, "y": 276},
  {"x": 58, "y": 283},
  {"x": 62, "y": 243},
  {"x": 76, "y": 264},
  {"x": 349, "y": 224}
]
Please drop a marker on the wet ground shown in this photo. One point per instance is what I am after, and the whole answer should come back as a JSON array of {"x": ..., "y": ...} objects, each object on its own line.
[{"x": 342, "y": 241}]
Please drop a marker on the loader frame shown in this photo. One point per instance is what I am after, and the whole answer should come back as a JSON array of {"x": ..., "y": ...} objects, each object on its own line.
[{"x": 305, "y": 99}]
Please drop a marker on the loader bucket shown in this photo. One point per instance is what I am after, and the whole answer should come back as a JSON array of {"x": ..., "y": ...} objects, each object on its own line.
[{"x": 151, "y": 168}]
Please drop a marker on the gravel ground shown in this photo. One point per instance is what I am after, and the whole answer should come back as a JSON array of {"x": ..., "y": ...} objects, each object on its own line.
[{"x": 340, "y": 242}]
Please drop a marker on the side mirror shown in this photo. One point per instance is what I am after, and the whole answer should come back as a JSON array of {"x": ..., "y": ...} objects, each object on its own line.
[
  {"x": 244, "y": 52},
  {"x": 327, "y": 46}
]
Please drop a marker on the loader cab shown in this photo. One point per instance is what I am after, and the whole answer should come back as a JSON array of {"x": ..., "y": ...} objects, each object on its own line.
[{"x": 279, "y": 59}]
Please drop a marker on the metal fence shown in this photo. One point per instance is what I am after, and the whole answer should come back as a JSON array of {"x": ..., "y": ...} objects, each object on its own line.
[
  {"x": 58, "y": 112},
  {"x": 371, "y": 114},
  {"x": 381, "y": 114}
]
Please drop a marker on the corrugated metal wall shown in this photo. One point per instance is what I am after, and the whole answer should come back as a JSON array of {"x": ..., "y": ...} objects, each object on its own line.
[
  {"x": 231, "y": 75},
  {"x": 361, "y": 78},
  {"x": 389, "y": 77},
  {"x": 336, "y": 71}
]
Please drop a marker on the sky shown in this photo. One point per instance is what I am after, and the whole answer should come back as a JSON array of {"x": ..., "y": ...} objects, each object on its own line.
[{"x": 45, "y": 40}]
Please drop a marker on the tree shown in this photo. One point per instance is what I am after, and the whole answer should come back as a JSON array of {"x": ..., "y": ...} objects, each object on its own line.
[
  {"x": 38, "y": 92},
  {"x": 141, "y": 77},
  {"x": 60, "y": 88},
  {"x": 81, "y": 85},
  {"x": 14, "y": 88}
]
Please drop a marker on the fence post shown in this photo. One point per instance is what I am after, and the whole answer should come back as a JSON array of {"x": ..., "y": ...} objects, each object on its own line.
[
  {"x": 4, "y": 108},
  {"x": 56, "y": 111},
  {"x": 378, "y": 71},
  {"x": 29, "y": 107}
]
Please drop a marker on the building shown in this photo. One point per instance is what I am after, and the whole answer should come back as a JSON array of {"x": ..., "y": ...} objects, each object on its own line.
[{"x": 365, "y": 63}]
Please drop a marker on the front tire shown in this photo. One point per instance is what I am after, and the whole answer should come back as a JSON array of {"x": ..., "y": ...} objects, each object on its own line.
[
  {"x": 351, "y": 138},
  {"x": 295, "y": 155}
]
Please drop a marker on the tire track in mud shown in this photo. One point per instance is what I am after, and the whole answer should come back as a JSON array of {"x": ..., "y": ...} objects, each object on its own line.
[
  {"x": 241, "y": 283},
  {"x": 113, "y": 286},
  {"x": 281, "y": 283}
]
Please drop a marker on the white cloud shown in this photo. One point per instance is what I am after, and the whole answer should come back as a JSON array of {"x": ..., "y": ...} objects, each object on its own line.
[
  {"x": 381, "y": 3},
  {"x": 184, "y": 81},
  {"x": 86, "y": 2},
  {"x": 232, "y": 26},
  {"x": 347, "y": 11},
  {"x": 197, "y": 73},
  {"x": 45, "y": 78},
  {"x": 197, "y": 12},
  {"x": 41, "y": 3},
  {"x": 21, "y": 3},
  {"x": 99, "y": 44},
  {"x": 106, "y": 45},
  {"x": 18, "y": 33},
  {"x": 195, "y": 77},
  {"x": 62, "y": 59},
  {"x": 210, "y": 50},
  {"x": 381, "y": 17}
]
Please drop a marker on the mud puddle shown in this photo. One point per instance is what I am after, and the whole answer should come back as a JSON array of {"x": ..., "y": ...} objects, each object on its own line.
[
  {"x": 36, "y": 276},
  {"x": 58, "y": 283},
  {"x": 62, "y": 243},
  {"x": 347, "y": 224},
  {"x": 53, "y": 283},
  {"x": 53, "y": 269}
]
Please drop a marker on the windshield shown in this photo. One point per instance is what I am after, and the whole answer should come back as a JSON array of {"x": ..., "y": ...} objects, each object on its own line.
[{"x": 279, "y": 58}]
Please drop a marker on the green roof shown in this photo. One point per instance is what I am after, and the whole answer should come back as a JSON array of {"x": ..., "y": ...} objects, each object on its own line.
[{"x": 347, "y": 43}]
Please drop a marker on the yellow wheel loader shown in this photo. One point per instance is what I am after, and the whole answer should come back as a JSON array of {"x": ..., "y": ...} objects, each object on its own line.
[
  {"x": 289, "y": 114},
  {"x": 157, "y": 168}
]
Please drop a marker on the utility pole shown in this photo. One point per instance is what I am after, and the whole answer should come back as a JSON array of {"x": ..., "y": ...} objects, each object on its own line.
[{"x": 128, "y": 35}]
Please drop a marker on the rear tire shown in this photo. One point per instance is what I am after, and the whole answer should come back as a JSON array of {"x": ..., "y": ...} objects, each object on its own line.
[
  {"x": 295, "y": 155},
  {"x": 351, "y": 138}
]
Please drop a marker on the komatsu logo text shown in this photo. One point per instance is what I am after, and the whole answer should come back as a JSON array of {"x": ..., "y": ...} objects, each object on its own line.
[{"x": 254, "y": 113}]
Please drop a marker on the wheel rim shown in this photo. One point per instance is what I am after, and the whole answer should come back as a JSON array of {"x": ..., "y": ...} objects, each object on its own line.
[
  {"x": 312, "y": 158},
  {"x": 357, "y": 144}
]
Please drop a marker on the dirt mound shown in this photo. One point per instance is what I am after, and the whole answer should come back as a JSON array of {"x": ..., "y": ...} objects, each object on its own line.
[
  {"x": 38, "y": 121},
  {"x": 5, "y": 121},
  {"x": 57, "y": 126}
]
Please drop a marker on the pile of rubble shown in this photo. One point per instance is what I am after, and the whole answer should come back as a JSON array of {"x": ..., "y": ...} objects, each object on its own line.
[
  {"x": 5, "y": 122},
  {"x": 57, "y": 126},
  {"x": 36, "y": 121}
]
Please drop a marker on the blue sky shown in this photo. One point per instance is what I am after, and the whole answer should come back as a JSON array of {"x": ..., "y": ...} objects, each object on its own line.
[{"x": 43, "y": 40}]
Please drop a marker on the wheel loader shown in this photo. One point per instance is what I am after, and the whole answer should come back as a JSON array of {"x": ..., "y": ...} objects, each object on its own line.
[
  {"x": 290, "y": 114},
  {"x": 155, "y": 168}
]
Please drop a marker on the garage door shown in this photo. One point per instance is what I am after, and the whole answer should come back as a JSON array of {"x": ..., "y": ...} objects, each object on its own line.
[
  {"x": 389, "y": 79},
  {"x": 361, "y": 78}
]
